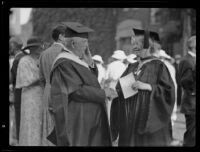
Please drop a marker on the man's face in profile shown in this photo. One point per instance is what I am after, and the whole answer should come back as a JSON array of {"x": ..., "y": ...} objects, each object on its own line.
[
  {"x": 80, "y": 44},
  {"x": 137, "y": 44}
]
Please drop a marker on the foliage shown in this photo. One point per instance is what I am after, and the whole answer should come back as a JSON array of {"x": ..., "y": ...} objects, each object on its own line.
[
  {"x": 172, "y": 21},
  {"x": 102, "y": 20}
]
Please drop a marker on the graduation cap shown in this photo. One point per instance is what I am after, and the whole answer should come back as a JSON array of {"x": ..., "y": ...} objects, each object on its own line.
[
  {"x": 75, "y": 29},
  {"x": 147, "y": 34}
]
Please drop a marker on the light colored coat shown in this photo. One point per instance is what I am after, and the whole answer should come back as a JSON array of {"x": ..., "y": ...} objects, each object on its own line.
[{"x": 46, "y": 61}]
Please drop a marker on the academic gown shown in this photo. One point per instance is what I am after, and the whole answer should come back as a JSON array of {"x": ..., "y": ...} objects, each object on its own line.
[
  {"x": 142, "y": 120},
  {"x": 78, "y": 106}
]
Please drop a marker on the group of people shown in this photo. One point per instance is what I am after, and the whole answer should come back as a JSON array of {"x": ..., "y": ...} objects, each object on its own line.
[{"x": 64, "y": 96}]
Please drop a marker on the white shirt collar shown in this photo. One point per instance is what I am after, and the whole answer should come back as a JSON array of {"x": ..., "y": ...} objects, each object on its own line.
[
  {"x": 192, "y": 54},
  {"x": 63, "y": 47},
  {"x": 69, "y": 51}
]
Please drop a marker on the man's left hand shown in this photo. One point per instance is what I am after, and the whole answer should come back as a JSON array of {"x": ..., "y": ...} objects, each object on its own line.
[{"x": 87, "y": 57}]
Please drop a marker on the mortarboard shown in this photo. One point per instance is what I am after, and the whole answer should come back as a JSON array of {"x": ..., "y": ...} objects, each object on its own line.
[
  {"x": 153, "y": 35},
  {"x": 147, "y": 34},
  {"x": 75, "y": 29}
]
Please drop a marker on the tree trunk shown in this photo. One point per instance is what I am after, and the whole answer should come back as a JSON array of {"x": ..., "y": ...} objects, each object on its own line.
[{"x": 186, "y": 28}]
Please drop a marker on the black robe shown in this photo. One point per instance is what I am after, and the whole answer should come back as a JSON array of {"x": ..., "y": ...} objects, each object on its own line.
[
  {"x": 143, "y": 119},
  {"x": 187, "y": 74},
  {"x": 78, "y": 106}
]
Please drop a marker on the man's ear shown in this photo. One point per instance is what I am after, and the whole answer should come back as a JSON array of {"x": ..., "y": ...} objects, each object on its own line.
[{"x": 61, "y": 37}]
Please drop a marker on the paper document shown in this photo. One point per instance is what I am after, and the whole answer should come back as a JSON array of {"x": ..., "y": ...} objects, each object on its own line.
[{"x": 126, "y": 82}]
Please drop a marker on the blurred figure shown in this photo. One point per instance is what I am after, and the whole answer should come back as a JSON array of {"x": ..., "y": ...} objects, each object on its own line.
[
  {"x": 115, "y": 68},
  {"x": 46, "y": 60},
  {"x": 113, "y": 73},
  {"x": 187, "y": 75},
  {"x": 101, "y": 70},
  {"x": 28, "y": 79},
  {"x": 16, "y": 44}
]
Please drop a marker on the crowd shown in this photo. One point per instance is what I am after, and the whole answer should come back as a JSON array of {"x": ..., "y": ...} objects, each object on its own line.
[{"x": 61, "y": 95}]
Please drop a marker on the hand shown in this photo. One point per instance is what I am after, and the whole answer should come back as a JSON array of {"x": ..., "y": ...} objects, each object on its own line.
[
  {"x": 87, "y": 57},
  {"x": 141, "y": 86},
  {"x": 110, "y": 93}
]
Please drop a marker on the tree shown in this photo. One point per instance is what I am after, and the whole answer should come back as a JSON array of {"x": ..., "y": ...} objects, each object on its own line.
[
  {"x": 102, "y": 20},
  {"x": 178, "y": 24}
]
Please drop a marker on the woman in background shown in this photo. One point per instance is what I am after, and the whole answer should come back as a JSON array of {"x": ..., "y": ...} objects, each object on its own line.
[{"x": 28, "y": 79}]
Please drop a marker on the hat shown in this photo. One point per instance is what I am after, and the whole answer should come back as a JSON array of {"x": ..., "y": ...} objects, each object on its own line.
[
  {"x": 163, "y": 54},
  {"x": 16, "y": 40},
  {"x": 75, "y": 29},
  {"x": 131, "y": 58},
  {"x": 153, "y": 35},
  {"x": 97, "y": 58},
  {"x": 33, "y": 41},
  {"x": 119, "y": 54}
]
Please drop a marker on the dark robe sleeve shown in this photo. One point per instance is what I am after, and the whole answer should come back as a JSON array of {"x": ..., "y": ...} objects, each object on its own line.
[
  {"x": 77, "y": 90},
  {"x": 66, "y": 83},
  {"x": 116, "y": 107},
  {"x": 162, "y": 99},
  {"x": 58, "y": 106}
]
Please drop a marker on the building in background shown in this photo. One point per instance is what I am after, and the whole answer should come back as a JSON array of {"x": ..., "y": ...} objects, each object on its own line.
[
  {"x": 20, "y": 24},
  {"x": 130, "y": 18},
  {"x": 124, "y": 32}
]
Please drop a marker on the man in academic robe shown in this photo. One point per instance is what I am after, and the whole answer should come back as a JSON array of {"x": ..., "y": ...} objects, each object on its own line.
[
  {"x": 187, "y": 75},
  {"x": 16, "y": 45},
  {"x": 77, "y": 100},
  {"x": 143, "y": 119},
  {"x": 46, "y": 61}
]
